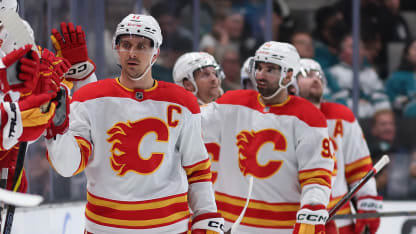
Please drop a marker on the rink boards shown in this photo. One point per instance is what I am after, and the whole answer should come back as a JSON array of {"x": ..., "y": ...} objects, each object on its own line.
[{"x": 68, "y": 218}]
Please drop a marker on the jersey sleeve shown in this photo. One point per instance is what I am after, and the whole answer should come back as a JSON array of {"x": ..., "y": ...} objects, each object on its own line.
[
  {"x": 196, "y": 163},
  {"x": 357, "y": 159},
  {"x": 315, "y": 164},
  {"x": 79, "y": 84},
  {"x": 69, "y": 153}
]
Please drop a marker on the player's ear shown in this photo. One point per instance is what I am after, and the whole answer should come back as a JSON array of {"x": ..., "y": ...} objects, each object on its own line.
[
  {"x": 288, "y": 77},
  {"x": 156, "y": 55},
  {"x": 188, "y": 85}
]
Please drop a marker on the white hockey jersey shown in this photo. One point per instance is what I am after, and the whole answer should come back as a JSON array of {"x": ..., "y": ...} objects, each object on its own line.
[
  {"x": 143, "y": 157},
  {"x": 352, "y": 156},
  {"x": 284, "y": 147}
]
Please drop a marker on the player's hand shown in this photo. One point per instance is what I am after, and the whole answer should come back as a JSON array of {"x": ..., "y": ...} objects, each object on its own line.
[
  {"x": 27, "y": 68},
  {"x": 60, "y": 121},
  {"x": 34, "y": 119},
  {"x": 367, "y": 204},
  {"x": 71, "y": 45},
  {"x": 58, "y": 65},
  {"x": 208, "y": 223},
  {"x": 311, "y": 219},
  {"x": 24, "y": 120}
]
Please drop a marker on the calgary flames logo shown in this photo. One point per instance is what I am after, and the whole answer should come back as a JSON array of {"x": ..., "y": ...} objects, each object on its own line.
[
  {"x": 249, "y": 144},
  {"x": 126, "y": 139}
]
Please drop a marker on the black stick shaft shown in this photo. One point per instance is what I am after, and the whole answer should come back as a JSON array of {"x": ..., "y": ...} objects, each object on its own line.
[
  {"x": 375, "y": 215},
  {"x": 350, "y": 194},
  {"x": 19, "y": 167}
]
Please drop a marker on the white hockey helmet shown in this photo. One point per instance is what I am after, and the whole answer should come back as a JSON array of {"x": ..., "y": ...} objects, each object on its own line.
[
  {"x": 187, "y": 63},
  {"x": 9, "y": 4},
  {"x": 8, "y": 44},
  {"x": 140, "y": 25},
  {"x": 282, "y": 54},
  {"x": 307, "y": 66},
  {"x": 246, "y": 73}
]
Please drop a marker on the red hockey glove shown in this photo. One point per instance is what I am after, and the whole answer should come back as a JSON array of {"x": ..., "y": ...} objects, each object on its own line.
[
  {"x": 58, "y": 65},
  {"x": 73, "y": 47},
  {"x": 311, "y": 219},
  {"x": 8, "y": 160},
  {"x": 34, "y": 119},
  {"x": 49, "y": 80},
  {"x": 331, "y": 227},
  {"x": 24, "y": 121},
  {"x": 22, "y": 77},
  {"x": 208, "y": 223},
  {"x": 60, "y": 121},
  {"x": 368, "y": 204}
]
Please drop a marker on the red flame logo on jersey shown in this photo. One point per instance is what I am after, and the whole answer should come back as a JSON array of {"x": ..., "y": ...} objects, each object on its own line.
[
  {"x": 249, "y": 144},
  {"x": 126, "y": 139}
]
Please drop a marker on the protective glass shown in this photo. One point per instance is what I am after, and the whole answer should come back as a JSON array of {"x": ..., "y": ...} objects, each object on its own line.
[
  {"x": 136, "y": 46},
  {"x": 205, "y": 73},
  {"x": 267, "y": 68},
  {"x": 315, "y": 74}
]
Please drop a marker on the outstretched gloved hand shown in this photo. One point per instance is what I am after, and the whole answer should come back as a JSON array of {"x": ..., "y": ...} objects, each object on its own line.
[{"x": 71, "y": 45}]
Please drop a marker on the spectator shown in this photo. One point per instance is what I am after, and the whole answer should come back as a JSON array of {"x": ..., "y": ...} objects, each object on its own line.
[
  {"x": 303, "y": 43},
  {"x": 282, "y": 22},
  {"x": 412, "y": 171},
  {"x": 230, "y": 63},
  {"x": 227, "y": 32},
  {"x": 401, "y": 85},
  {"x": 166, "y": 14},
  {"x": 330, "y": 26},
  {"x": 412, "y": 167},
  {"x": 394, "y": 26},
  {"x": 372, "y": 95},
  {"x": 393, "y": 182},
  {"x": 162, "y": 69},
  {"x": 206, "y": 15},
  {"x": 381, "y": 23}
]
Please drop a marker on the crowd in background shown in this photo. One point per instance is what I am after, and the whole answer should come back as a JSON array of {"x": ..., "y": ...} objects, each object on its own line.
[{"x": 232, "y": 30}]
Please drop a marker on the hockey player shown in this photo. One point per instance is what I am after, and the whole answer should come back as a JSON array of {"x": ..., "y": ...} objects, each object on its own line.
[
  {"x": 199, "y": 73},
  {"x": 353, "y": 159},
  {"x": 245, "y": 74},
  {"x": 28, "y": 85},
  {"x": 127, "y": 133},
  {"x": 280, "y": 140}
]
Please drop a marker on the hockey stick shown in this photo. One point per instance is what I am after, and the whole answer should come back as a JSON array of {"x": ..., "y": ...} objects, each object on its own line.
[
  {"x": 17, "y": 176},
  {"x": 240, "y": 217},
  {"x": 379, "y": 165},
  {"x": 3, "y": 185},
  {"x": 375, "y": 215}
]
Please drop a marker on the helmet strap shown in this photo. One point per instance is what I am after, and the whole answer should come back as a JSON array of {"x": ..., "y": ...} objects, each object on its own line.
[
  {"x": 148, "y": 66},
  {"x": 281, "y": 86}
]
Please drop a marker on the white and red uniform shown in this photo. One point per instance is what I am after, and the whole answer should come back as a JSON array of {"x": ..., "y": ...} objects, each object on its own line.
[
  {"x": 143, "y": 157},
  {"x": 285, "y": 147},
  {"x": 353, "y": 159}
]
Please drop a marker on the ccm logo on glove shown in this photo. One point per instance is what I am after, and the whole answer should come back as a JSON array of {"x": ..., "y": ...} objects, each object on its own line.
[
  {"x": 312, "y": 218},
  {"x": 215, "y": 224},
  {"x": 79, "y": 69}
]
